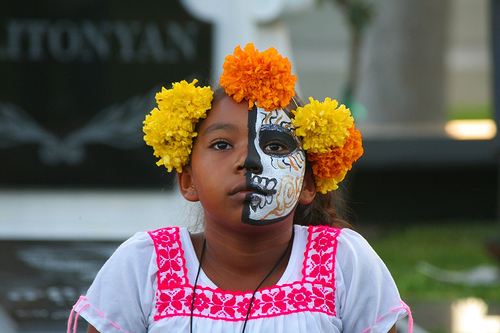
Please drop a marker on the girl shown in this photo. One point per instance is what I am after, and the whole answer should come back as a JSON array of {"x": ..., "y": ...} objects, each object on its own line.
[{"x": 273, "y": 256}]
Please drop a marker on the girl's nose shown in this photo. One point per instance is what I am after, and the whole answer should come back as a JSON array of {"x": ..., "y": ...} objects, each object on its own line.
[
  {"x": 253, "y": 163},
  {"x": 250, "y": 161}
]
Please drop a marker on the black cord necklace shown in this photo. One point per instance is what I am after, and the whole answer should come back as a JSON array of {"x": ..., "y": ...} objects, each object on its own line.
[
  {"x": 254, "y": 292},
  {"x": 195, "y": 284}
]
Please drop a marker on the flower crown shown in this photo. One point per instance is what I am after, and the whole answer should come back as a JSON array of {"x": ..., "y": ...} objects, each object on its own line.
[{"x": 327, "y": 130}]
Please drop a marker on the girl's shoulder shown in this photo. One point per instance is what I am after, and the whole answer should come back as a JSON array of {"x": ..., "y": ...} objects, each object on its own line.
[
  {"x": 353, "y": 243},
  {"x": 345, "y": 237},
  {"x": 169, "y": 237},
  {"x": 346, "y": 245},
  {"x": 319, "y": 233},
  {"x": 144, "y": 245},
  {"x": 167, "y": 234}
]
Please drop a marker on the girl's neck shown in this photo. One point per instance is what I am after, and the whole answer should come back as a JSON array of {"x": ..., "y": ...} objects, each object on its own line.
[{"x": 239, "y": 261}]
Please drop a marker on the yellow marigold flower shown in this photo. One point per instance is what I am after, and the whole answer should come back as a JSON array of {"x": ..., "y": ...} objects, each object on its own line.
[
  {"x": 169, "y": 128},
  {"x": 322, "y": 125},
  {"x": 326, "y": 185},
  {"x": 330, "y": 168},
  {"x": 264, "y": 78}
]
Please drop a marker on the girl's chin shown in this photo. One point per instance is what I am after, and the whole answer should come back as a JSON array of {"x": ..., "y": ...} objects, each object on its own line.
[{"x": 260, "y": 222}]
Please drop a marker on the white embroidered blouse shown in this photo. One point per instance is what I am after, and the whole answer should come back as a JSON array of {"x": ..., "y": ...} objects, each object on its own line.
[{"x": 334, "y": 282}]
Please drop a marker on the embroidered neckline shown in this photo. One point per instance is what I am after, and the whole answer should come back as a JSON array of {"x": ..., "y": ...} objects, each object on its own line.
[{"x": 315, "y": 292}]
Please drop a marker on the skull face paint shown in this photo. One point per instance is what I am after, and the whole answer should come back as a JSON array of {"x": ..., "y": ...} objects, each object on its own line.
[{"x": 275, "y": 167}]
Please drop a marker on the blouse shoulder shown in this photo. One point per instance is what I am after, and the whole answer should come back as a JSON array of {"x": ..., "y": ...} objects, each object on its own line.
[
  {"x": 131, "y": 267},
  {"x": 356, "y": 257},
  {"x": 135, "y": 251},
  {"x": 365, "y": 288},
  {"x": 166, "y": 236},
  {"x": 354, "y": 241}
]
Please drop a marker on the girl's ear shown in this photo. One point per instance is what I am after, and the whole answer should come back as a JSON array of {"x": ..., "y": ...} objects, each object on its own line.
[
  {"x": 308, "y": 189},
  {"x": 186, "y": 184}
]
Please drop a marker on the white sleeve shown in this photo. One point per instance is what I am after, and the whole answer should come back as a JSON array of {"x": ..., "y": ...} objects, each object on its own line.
[
  {"x": 368, "y": 298},
  {"x": 121, "y": 297}
]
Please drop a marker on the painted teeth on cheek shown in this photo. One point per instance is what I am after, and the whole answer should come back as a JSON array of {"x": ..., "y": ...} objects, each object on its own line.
[
  {"x": 255, "y": 202},
  {"x": 267, "y": 185},
  {"x": 271, "y": 184}
]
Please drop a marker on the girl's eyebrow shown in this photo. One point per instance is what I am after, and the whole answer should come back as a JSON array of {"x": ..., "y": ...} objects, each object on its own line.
[{"x": 219, "y": 127}]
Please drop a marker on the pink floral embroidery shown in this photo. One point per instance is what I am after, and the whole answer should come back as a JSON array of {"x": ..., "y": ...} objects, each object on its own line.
[
  {"x": 223, "y": 305},
  {"x": 245, "y": 303},
  {"x": 169, "y": 257},
  {"x": 301, "y": 297},
  {"x": 173, "y": 301},
  {"x": 324, "y": 300},
  {"x": 320, "y": 255},
  {"x": 177, "y": 298},
  {"x": 201, "y": 302},
  {"x": 274, "y": 303},
  {"x": 314, "y": 293}
]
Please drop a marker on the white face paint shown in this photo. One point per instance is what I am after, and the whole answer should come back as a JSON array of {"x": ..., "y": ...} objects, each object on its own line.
[{"x": 279, "y": 167}]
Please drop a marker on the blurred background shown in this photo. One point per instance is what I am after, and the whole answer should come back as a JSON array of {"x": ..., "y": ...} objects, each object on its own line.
[{"x": 420, "y": 76}]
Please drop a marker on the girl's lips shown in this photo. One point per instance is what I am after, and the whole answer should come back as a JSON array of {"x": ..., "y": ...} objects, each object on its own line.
[
  {"x": 250, "y": 189},
  {"x": 240, "y": 192}
]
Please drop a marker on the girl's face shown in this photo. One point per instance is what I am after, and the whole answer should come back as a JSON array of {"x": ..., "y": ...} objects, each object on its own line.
[{"x": 246, "y": 165}]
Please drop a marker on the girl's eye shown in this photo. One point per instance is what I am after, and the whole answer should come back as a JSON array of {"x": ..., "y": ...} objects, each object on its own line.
[
  {"x": 277, "y": 142},
  {"x": 277, "y": 148},
  {"x": 220, "y": 145}
]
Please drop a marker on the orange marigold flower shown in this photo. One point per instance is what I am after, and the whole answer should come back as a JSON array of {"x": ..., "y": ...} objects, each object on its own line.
[
  {"x": 264, "y": 78},
  {"x": 331, "y": 167}
]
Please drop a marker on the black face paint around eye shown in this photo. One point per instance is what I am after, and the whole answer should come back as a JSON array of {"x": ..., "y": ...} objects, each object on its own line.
[{"x": 282, "y": 138}]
